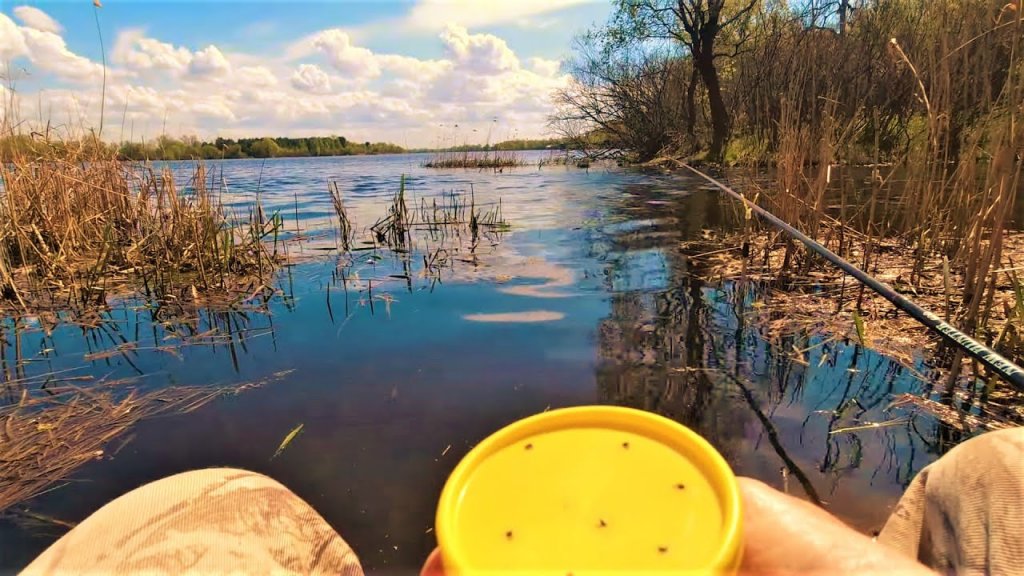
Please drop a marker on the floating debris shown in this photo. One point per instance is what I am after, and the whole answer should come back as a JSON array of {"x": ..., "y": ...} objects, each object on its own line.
[{"x": 287, "y": 440}]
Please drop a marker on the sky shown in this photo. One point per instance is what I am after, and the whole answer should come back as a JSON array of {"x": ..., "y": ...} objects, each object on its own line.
[{"x": 417, "y": 73}]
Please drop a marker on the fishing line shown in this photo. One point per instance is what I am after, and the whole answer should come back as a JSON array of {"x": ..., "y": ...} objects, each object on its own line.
[{"x": 1007, "y": 370}]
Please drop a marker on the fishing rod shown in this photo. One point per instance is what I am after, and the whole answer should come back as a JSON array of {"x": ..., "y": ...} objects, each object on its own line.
[{"x": 1007, "y": 370}]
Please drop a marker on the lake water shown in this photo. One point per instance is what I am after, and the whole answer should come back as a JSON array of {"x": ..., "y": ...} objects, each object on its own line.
[{"x": 586, "y": 298}]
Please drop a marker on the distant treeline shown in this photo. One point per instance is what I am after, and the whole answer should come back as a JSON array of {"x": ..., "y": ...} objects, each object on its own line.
[
  {"x": 190, "y": 147},
  {"x": 167, "y": 148},
  {"x": 512, "y": 145}
]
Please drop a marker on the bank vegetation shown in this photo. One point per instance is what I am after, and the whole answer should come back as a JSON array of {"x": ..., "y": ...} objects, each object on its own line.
[{"x": 929, "y": 94}]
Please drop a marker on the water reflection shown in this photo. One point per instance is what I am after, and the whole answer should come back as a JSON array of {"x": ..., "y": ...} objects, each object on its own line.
[
  {"x": 404, "y": 360},
  {"x": 799, "y": 411}
]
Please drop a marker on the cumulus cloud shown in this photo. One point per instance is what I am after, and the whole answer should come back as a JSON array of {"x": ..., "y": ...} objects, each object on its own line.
[
  {"x": 545, "y": 67},
  {"x": 478, "y": 53},
  {"x": 137, "y": 53},
  {"x": 353, "y": 61},
  {"x": 340, "y": 86},
  {"x": 12, "y": 41},
  {"x": 256, "y": 76},
  {"x": 209, "y": 60},
  {"x": 412, "y": 68},
  {"x": 45, "y": 50},
  {"x": 48, "y": 52},
  {"x": 310, "y": 78},
  {"x": 37, "y": 19}
]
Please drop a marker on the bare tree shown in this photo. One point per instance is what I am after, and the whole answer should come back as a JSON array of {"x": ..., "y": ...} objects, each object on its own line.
[
  {"x": 698, "y": 26},
  {"x": 628, "y": 93}
]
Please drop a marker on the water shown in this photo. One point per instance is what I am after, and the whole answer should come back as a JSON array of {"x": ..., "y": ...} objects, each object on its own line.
[{"x": 392, "y": 397}]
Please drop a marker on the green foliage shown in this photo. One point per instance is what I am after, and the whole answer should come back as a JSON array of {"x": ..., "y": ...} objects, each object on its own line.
[{"x": 166, "y": 148}]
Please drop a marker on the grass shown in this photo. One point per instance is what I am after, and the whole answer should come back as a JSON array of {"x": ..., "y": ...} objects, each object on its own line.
[
  {"x": 935, "y": 221},
  {"x": 76, "y": 225},
  {"x": 426, "y": 238},
  {"x": 496, "y": 160},
  {"x": 79, "y": 227},
  {"x": 450, "y": 215},
  {"x": 49, "y": 436}
]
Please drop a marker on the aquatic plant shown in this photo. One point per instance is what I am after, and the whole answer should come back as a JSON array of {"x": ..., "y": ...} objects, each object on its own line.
[
  {"x": 487, "y": 160},
  {"x": 77, "y": 224}
]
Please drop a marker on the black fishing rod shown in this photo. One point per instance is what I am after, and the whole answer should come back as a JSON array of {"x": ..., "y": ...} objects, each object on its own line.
[{"x": 1001, "y": 366}]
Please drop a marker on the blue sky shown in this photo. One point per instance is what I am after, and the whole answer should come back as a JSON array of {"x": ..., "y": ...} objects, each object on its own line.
[{"x": 388, "y": 70}]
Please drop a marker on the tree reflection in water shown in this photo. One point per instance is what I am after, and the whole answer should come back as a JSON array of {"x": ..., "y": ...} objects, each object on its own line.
[{"x": 701, "y": 354}]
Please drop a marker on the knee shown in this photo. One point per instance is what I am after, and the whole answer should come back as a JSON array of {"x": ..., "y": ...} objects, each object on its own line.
[
  {"x": 992, "y": 463},
  {"x": 991, "y": 448},
  {"x": 199, "y": 484}
]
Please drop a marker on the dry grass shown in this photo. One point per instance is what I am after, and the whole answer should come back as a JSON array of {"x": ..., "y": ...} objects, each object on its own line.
[
  {"x": 489, "y": 160},
  {"x": 77, "y": 222},
  {"x": 820, "y": 299},
  {"x": 817, "y": 299},
  {"x": 47, "y": 437}
]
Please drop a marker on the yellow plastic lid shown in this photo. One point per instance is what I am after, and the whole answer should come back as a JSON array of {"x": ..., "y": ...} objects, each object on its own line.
[{"x": 591, "y": 490}]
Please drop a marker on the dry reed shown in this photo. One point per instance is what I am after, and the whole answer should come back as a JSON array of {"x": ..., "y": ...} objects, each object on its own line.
[
  {"x": 76, "y": 221},
  {"x": 47, "y": 437},
  {"x": 488, "y": 160}
]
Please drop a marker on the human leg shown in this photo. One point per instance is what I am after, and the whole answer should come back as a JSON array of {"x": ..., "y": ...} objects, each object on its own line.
[
  {"x": 211, "y": 521},
  {"x": 965, "y": 512}
]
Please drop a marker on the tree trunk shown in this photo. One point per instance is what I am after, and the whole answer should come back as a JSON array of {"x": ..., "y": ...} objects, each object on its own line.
[
  {"x": 691, "y": 107},
  {"x": 844, "y": 6},
  {"x": 719, "y": 113},
  {"x": 704, "y": 62}
]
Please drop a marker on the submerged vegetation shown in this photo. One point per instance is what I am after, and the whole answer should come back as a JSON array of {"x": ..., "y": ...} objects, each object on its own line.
[
  {"x": 928, "y": 93},
  {"x": 83, "y": 233},
  {"x": 48, "y": 436}
]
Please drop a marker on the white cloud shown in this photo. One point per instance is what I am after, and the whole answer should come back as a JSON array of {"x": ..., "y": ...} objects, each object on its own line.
[
  {"x": 134, "y": 51},
  {"x": 213, "y": 108},
  {"x": 310, "y": 78},
  {"x": 545, "y": 67},
  {"x": 435, "y": 14},
  {"x": 256, "y": 76},
  {"x": 12, "y": 41},
  {"x": 478, "y": 53},
  {"x": 339, "y": 86},
  {"x": 412, "y": 68},
  {"x": 45, "y": 50},
  {"x": 48, "y": 52},
  {"x": 37, "y": 19},
  {"x": 353, "y": 61},
  {"x": 209, "y": 60}
]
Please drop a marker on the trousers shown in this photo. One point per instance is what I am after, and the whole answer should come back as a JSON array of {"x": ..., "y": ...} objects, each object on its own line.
[{"x": 962, "y": 514}]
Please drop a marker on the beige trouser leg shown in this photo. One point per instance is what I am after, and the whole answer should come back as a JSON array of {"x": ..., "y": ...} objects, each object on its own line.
[
  {"x": 964, "y": 513},
  {"x": 215, "y": 521}
]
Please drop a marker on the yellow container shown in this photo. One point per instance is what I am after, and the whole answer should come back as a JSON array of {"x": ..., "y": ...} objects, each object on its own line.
[{"x": 591, "y": 490}]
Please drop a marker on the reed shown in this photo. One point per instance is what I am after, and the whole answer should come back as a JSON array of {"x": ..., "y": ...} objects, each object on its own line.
[
  {"x": 486, "y": 160},
  {"x": 77, "y": 222},
  {"x": 46, "y": 437},
  {"x": 345, "y": 230}
]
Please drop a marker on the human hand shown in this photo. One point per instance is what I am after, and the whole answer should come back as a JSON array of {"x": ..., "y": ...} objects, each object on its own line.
[{"x": 786, "y": 535}]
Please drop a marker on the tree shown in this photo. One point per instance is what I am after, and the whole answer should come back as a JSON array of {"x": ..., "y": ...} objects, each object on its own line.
[
  {"x": 697, "y": 25},
  {"x": 626, "y": 92},
  {"x": 264, "y": 148}
]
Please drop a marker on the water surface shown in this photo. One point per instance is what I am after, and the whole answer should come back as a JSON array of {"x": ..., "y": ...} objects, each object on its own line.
[{"x": 587, "y": 298}]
